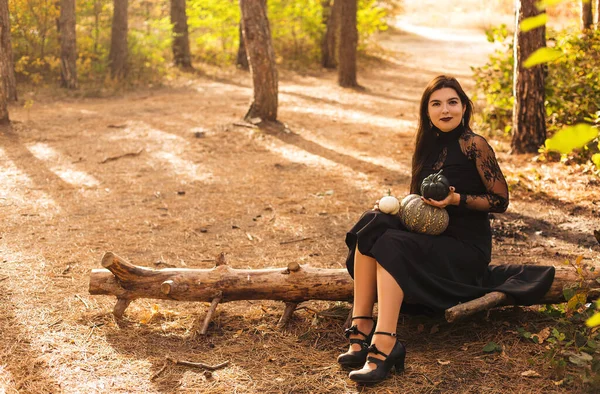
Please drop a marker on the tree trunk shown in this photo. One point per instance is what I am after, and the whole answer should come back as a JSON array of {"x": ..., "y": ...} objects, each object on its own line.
[
  {"x": 118, "y": 55},
  {"x": 586, "y": 14},
  {"x": 68, "y": 44},
  {"x": 7, "y": 69},
  {"x": 348, "y": 43},
  {"x": 529, "y": 116},
  {"x": 331, "y": 19},
  {"x": 596, "y": 14},
  {"x": 242, "y": 57},
  {"x": 261, "y": 56},
  {"x": 292, "y": 285},
  {"x": 181, "y": 41}
]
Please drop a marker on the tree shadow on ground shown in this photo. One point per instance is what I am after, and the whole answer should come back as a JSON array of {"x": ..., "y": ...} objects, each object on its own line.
[
  {"x": 28, "y": 370},
  {"x": 289, "y": 137}
]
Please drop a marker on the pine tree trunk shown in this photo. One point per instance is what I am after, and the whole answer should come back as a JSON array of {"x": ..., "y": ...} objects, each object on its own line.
[
  {"x": 261, "y": 56},
  {"x": 242, "y": 57},
  {"x": 7, "y": 69},
  {"x": 181, "y": 41},
  {"x": 331, "y": 19},
  {"x": 529, "y": 117},
  {"x": 596, "y": 14},
  {"x": 586, "y": 14},
  {"x": 348, "y": 43},
  {"x": 68, "y": 44},
  {"x": 118, "y": 43}
]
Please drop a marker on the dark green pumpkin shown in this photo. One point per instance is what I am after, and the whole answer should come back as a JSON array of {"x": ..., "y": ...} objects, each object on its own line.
[
  {"x": 435, "y": 186},
  {"x": 420, "y": 217}
]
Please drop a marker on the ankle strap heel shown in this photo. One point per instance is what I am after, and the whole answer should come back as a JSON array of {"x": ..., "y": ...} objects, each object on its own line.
[
  {"x": 355, "y": 358},
  {"x": 393, "y": 360}
]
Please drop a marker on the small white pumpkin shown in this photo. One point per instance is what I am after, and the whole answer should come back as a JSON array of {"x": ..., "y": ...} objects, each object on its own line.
[{"x": 389, "y": 205}]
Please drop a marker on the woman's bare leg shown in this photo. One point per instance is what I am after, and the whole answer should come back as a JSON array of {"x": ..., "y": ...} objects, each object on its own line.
[
  {"x": 365, "y": 290},
  {"x": 389, "y": 300}
]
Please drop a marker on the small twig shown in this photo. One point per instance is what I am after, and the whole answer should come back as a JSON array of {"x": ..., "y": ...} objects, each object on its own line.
[
  {"x": 160, "y": 370},
  {"x": 55, "y": 323},
  {"x": 4, "y": 278},
  {"x": 211, "y": 310},
  {"x": 294, "y": 240},
  {"x": 429, "y": 380},
  {"x": 248, "y": 125},
  {"x": 198, "y": 365},
  {"x": 83, "y": 301},
  {"x": 112, "y": 158}
]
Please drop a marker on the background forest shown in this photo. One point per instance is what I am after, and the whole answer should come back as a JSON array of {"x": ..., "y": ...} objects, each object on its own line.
[{"x": 134, "y": 140}]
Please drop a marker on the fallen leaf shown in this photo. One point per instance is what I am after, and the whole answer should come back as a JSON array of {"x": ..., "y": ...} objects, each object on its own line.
[
  {"x": 530, "y": 374},
  {"x": 559, "y": 382},
  {"x": 443, "y": 362},
  {"x": 434, "y": 329},
  {"x": 541, "y": 336},
  {"x": 420, "y": 328}
]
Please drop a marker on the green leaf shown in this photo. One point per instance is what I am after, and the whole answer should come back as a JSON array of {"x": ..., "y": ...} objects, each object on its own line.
[
  {"x": 596, "y": 158},
  {"x": 571, "y": 137},
  {"x": 594, "y": 320},
  {"x": 492, "y": 347},
  {"x": 568, "y": 293},
  {"x": 542, "y": 55},
  {"x": 534, "y": 22}
]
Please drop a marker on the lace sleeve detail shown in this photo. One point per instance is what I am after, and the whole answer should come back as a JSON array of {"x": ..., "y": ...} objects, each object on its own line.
[{"x": 496, "y": 199}]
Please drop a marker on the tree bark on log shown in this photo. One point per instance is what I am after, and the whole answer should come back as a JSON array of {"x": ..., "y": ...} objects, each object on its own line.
[
  {"x": 291, "y": 285},
  {"x": 529, "y": 113}
]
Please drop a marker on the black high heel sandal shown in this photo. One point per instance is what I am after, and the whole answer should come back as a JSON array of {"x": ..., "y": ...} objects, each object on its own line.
[
  {"x": 356, "y": 358},
  {"x": 393, "y": 360}
]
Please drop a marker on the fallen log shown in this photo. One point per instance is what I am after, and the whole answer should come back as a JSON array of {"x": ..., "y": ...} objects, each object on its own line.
[{"x": 292, "y": 285}]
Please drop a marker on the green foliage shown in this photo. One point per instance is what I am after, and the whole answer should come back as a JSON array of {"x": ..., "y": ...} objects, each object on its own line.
[
  {"x": 495, "y": 81},
  {"x": 572, "y": 87}
]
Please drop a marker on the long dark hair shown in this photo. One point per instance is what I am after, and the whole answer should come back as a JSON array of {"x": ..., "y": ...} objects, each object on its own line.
[{"x": 426, "y": 134}]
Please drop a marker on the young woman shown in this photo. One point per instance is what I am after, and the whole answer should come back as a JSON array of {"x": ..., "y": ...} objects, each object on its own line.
[{"x": 431, "y": 273}]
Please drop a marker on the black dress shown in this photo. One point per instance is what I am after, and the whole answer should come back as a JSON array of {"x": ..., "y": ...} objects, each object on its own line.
[{"x": 437, "y": 272}]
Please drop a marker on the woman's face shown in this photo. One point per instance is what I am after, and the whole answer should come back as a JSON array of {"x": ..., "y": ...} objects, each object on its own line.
[{"x": 445, "y": 109}]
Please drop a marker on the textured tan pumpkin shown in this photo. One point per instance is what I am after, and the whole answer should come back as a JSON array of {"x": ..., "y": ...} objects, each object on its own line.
[{"x": 423, "y": 218}]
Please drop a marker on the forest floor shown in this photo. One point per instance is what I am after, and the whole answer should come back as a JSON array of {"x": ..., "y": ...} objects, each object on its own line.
[{"x": 163, "y": 178}]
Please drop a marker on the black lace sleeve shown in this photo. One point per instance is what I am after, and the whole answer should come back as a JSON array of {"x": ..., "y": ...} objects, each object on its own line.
[{"x": 496, "y": 199}]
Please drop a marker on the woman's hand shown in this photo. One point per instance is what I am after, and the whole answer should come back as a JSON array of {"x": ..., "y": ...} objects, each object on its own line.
[
  {"x": 376, "y": 206},
  {"x": 451, "y": 199}
]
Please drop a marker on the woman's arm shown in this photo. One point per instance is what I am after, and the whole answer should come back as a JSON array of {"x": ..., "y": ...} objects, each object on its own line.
[{"x": 496, "y": 198}]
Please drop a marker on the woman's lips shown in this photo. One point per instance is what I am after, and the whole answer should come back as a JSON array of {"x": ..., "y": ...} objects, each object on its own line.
[{"x": 446, "y": 119}]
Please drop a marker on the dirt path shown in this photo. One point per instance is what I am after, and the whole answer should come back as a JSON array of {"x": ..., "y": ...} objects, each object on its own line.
[{"x": 163, "y": 178}]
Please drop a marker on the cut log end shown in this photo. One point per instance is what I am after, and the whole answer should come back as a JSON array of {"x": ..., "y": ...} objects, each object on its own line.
[
  {"x": 108, "y": 259},
  {"x": 166, "y": 287}
]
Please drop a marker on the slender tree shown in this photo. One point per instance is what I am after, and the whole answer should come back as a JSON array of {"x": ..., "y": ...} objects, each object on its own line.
[
  {"x": 7, "y": 70},
  {"x": 529, "y": 115},
  {"x": 261, "y": 56},
  {"x": 597, "y": 14},
  {"x": 181, "y": 41},
  {"x": 331, "y": 20},
  {"x": 3, "y": 96},
  {"x": 348, "y": 43},
  {"x": 68, "y": 44},
  {"x": 242, "y": 57},
  {"x": 119, "y": 52},
  {"x": 586, "y": 14}
]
